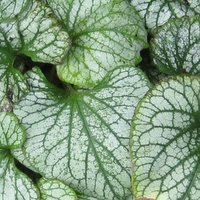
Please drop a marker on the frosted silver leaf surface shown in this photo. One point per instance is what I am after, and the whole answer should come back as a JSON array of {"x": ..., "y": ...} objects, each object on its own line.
[{"x": 82, "y": 137}]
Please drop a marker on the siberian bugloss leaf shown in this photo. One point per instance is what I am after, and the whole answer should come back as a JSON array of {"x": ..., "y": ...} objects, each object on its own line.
[
  {"x": 41, "y": 35},
  {"x": 30, "y": 30},
  {"x": 175, "y": 46},
  {"x": 104, "y": 33},
  {"x": 13, "y": 183},
  {"x": 165, "y": 141},
  {"x": 78, "y": 137},
  {"x": 12, "y": 83},
  {"x": 156, "y": 13},
  {"x": 82, "y": 137},
  {"x": 51, "y": 189}
]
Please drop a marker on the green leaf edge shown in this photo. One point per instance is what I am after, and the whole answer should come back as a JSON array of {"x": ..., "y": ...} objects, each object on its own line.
[
  {"x": 137, "y": 110},
  {"x": 156, "y": 31},
  {"x": 14, "y": 118}
]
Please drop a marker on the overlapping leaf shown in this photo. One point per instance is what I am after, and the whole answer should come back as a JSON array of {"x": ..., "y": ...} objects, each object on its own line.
[
  {"x": 12, "y": 84},
  {"x": 34, "y": 32},
  {"x": 105, "y": 34},
  {"x": 82, "y": 137},
  {"x": 13, "y": 183},
  {"x": 165, "y": 141},
  {"x": 26, "y": 28},
  {"x": 42, "y": 37},
  {"x": 55, "y": 190},
  {"x": 156, "y": 13},
  {"x": 176, "y": 46}
]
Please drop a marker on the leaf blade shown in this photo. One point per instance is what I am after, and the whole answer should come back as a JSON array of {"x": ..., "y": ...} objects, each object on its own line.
[
  {"x": 164, "y": 141},
  {"x": 175, "y": 47},
  {"x": 105, "y": 34},
  {"x": 55, "y": 189},
  {"x": 14, "y": 184},
  {"x": 93, "y": 127}
]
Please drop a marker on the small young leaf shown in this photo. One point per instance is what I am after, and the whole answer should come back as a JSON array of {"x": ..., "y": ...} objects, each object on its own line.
[
  {"x": 165, "y": 141},
  {"x": 176, "y": 46},
  {"x": 13, "y": 184},
  {"x": 11, "y": 132},
  {"x": 55, "y": 190},
  {"x": 104, "y": 33},
  {"x": 82, "y": 137},
  {"x": 156, "y": 13},
  {"x": 12, "y": 84}
]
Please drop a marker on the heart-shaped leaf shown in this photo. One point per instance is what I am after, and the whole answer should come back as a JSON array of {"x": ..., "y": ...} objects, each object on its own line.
[
  {"x": 13, "y": 183},
  {"x": 176, "y": 46},
  {"x": 82, "y": 137},
  {"x": 55, "y": 190},
  {"x": 156, "y": 13},
  {"x": 104, "y": 33},
  {"x": 165, "y": 141}
]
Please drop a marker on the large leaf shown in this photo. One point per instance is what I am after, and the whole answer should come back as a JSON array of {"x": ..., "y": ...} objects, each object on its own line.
[
  {"x": 165, "y": 141},
  {"x": 13, "y": 183},
  {"x": 158, "y": 12},
  {"x": 82, "y": 136},
  {"x": 176, "y": 46},
  {"x": 55, "y": 190},
  {"x": 105, "y": 34}
]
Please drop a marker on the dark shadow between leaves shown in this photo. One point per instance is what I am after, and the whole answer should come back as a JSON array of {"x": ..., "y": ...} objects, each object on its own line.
[{"x": 31, "y": 174}]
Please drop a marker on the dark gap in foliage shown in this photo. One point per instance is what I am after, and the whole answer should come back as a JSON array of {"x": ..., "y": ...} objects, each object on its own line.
[
  {"x": 31, "y": 174},
  {"x": 149, "y": 37},
  {"x": 50, "y": 73},
  {"x": 24, "y": 63},
  {"x": 148, "y": 66},
  {"x": 147, "y": 63},
  {"x": 147, "y": 60}
]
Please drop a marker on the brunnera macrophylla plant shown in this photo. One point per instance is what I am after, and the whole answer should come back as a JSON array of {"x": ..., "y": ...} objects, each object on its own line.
[{"x": 83, "y": 116}]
